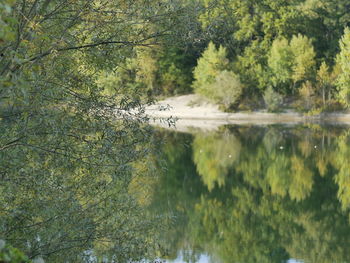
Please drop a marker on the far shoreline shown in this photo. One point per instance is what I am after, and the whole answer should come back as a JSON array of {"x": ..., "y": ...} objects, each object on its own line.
[{"x": 192, "y": 111}]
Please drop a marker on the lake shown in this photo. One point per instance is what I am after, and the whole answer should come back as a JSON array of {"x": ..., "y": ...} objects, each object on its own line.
[
  {"x": 255, "y": 194},
  {"x": 273, "y": 193}
]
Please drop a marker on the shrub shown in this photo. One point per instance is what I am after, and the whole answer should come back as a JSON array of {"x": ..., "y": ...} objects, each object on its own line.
[
  {"x": 227, "y": 89},
  {"x": 333, "y": 106},
  {"x": 273, "y": 100},
  {"x": 307, "y": 93}
]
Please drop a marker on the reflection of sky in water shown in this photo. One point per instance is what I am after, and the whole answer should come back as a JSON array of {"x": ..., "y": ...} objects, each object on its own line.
[
  {"x": 206, "y": 259},
  {"x": 202, "y": 259}
]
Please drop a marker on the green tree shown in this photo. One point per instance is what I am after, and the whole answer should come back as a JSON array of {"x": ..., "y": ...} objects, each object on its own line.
[
  {"x": 291, "y": 62},
  {"x": 175, "y": 70},
  {"x": 304, "y": 58},
  {"x": 324, "y": 82},
  {"x": 209, "y": 65},
  {"x": 343, "y": 81},
  {"x": 9, "y": 254},
  {"x": 72, "y": 126},
  {"x": 218, "y": 23},
  {"x": 325, "y": 22},
  {"x": 280, "y": 62}
]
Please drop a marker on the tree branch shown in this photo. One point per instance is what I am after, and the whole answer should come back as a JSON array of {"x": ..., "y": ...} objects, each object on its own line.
[{"x": 123, "y": 43}]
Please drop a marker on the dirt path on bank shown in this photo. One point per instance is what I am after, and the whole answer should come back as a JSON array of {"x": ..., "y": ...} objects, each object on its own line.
[{"x": 193, "y": 111}]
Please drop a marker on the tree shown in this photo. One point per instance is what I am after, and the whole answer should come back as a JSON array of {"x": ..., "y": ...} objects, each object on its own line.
[
  {"x": 304, "y": 58},
  {"x": 218, "y": 23},
  {"x": 343, "y": 81},
  {"x": 324, "y": 81},
  {"x": 209, "y": 65},
  {"x": 175, "y": 70},
  {"x": 280, "y": 62},
  {"x": 325, "y": 22},
  {"x": 71, "y": 128},
  {"x": 291, "y": 62},
  {"x": 10, "y": 254}
]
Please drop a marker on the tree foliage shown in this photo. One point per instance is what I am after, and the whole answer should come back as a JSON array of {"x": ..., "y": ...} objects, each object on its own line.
[
  {"x": 281, "y": 62},
  {"x": 343, "y": 82},
  {"x": 228, "y": 89},
  {"x": 72, "y": 125},
  {"x": 304, "y": 58},
  {"x": 324, "y": 81},
  {"x": 209, "y": 65}
]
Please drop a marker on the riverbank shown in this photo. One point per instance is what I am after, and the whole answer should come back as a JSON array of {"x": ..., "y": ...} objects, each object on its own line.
[{"x": 197, "y": 112}]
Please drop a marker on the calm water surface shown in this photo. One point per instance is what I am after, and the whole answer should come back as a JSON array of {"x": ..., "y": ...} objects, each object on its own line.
[
  {"x": 255, "y": 194},
  {"x": 238, "y": 194}
]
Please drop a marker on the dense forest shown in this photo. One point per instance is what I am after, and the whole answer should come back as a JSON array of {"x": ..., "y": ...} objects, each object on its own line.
[
  {"x": 240, "y": 54},
  {"x": 251, "y": 54}
]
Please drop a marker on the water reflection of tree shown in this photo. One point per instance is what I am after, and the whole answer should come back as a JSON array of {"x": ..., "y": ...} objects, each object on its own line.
[
  {"x": 214, "y": 154},
  {"x": 175, "y": 195},
  {"x": 279, "y": 199}
]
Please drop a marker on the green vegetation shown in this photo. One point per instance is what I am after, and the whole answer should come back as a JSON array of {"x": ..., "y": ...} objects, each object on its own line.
[
  {"x": 74, "y": 78},
  {"x": 272, "y": 99},
  {"x": 165, "y": 48},
  {"x": 344, "y": 77},
  {"x": 210, "y": 65},
  {"x": 278, "y": 44},
  {"x": 75, "y": 146},
  {"x": 298, "y": 47},
  {"x": 256, "y": 194},
  {"x": 9, "y": 254}
]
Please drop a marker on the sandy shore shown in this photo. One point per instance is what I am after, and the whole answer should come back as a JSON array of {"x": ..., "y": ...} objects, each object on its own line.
[{"x": 193, "y": 111}]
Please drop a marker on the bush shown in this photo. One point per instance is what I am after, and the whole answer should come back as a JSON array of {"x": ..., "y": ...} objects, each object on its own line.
[
  {"x": 273, "y": 100},
  {"x": 333, "y": 106},
  {"x": 227, "y": 89},
  {"x": 307, "y": 94}
]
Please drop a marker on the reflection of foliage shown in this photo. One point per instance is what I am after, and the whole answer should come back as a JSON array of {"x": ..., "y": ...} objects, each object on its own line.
[
  {"x": 290, "y": 175},
  {"x": 279, "y": 202},
  {"x": 272, "y": 139},
  {"x": 214, "y": 156},
  {"x": 179, "y": 187},
  {"x": 343, "y": 164}
]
